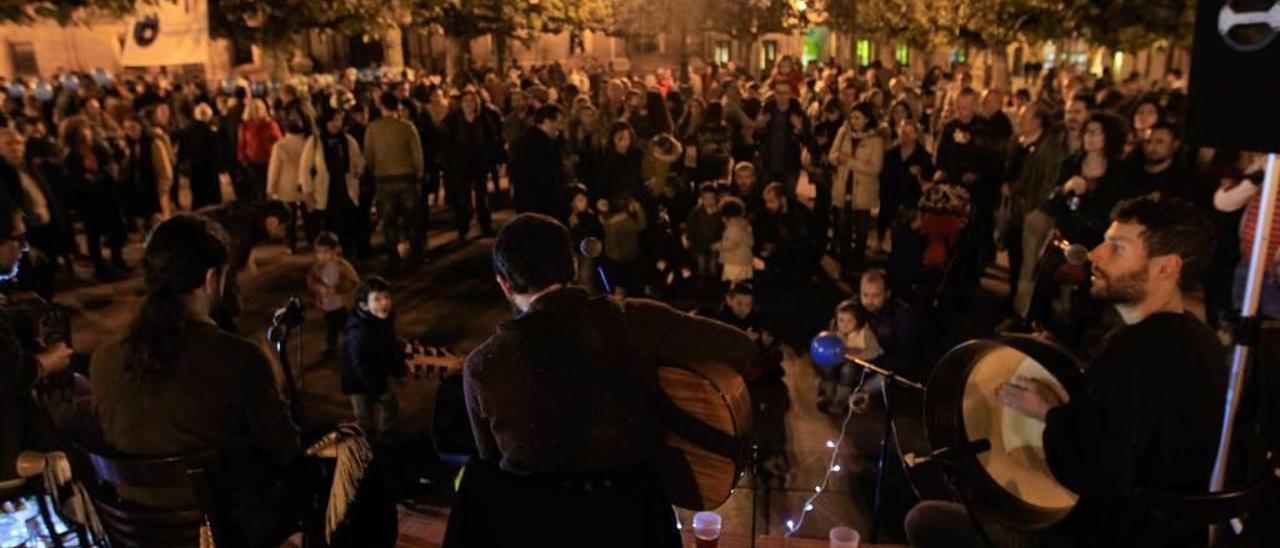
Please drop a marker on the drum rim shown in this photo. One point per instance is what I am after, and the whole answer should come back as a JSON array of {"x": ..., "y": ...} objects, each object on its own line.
[{"x": 944, "y": 401}]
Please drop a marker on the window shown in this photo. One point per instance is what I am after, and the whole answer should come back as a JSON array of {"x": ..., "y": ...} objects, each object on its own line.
[
  {"x": 721, "y": 54},
  {"x": 770, "y": 54},
  {"x": 643, "y": 44},
  {"x": 902, "y": 54},
  {"x": 862, "y": 53},
  {"x": 24, "y": 58}
]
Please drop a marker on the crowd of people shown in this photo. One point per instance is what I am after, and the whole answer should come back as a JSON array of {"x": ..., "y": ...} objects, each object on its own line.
[{"x": 709, "y": 184}]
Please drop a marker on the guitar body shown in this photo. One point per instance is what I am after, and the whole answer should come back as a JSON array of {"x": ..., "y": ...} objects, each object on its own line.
[{"x": 708, "y": 422}]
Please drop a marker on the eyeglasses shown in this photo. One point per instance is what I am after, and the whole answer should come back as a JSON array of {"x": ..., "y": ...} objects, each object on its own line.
[{"x": 20, "y": 238}]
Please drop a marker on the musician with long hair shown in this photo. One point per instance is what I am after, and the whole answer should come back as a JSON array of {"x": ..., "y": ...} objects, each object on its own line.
[
  {"x": 175, "y": 383},
  {"x": 563, "y": 403},
  {"x": 1147, "y": 415}
]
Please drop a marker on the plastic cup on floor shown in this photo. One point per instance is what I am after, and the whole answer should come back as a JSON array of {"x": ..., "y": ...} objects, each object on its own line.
[
  {"x": 706, "y": 529},
  {"x": 844, "y": 537}
]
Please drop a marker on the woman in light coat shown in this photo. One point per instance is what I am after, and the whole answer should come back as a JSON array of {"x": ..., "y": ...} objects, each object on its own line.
[
  {"x": 284, "y": 181},
  {"x": 330, "y": 175},
  {"x": 858, "y": 154}
]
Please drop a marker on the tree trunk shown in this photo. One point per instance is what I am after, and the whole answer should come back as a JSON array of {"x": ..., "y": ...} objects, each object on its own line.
[
  {"x": 500, "y": 52},
  {"x": 998, "y": 68},
  {"x": 393, "y": 47},
  {"x": 458, "y": 54},
  {"x": 275, "y": 59}
]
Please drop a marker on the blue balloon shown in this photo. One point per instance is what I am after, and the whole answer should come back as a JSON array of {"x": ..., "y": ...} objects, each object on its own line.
[{"x": 827, "y": 350}]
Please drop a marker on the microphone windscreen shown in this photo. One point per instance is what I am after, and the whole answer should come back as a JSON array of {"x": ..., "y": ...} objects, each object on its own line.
[
  {"x": 590, "y": 247},
  {"x": 1077, "y": 254}
]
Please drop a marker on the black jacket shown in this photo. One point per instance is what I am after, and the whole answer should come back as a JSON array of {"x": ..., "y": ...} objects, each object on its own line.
[
  {"x": 18, "y": 372},
  {"x": 538, "y": 174},
  {"x": 618, "y": 175},
  {"x": 373, "y": 354},
  {"x": 468, "y": 147},
  {"x": 793, "y": 142}
]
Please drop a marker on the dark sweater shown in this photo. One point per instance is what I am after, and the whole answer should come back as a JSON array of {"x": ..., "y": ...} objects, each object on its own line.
[
  {"x": 222, "y": 393},
  {"x": 538, "y": 174},
  {"x": 565, "y": 388},
  {"x": 1148, "y": 416},
  {"x": 18, "y": 372},
  {"x": 703, "y": 229}
]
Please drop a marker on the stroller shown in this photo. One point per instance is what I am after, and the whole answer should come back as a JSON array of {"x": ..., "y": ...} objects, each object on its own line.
[{"x": 944, "y": 213}]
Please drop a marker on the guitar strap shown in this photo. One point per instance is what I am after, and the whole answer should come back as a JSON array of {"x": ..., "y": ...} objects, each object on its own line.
[{"x": 673, "y": 419}]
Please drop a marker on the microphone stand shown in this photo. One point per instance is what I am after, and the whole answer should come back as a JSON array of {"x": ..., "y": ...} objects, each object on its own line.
[
  {"x": 891, "y": 378},
  {"x": 946, "y": 464},
  {"x": 1248, "y": 316}
]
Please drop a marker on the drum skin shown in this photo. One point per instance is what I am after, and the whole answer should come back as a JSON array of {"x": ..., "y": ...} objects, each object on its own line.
[{"x": 945, "y": 425}]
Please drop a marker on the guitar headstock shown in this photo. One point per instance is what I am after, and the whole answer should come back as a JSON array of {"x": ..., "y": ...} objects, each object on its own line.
[{"x": 425, "y": 361}]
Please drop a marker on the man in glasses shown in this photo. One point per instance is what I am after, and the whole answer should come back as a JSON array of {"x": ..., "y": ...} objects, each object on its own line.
[{"x": 21, "y": 364}]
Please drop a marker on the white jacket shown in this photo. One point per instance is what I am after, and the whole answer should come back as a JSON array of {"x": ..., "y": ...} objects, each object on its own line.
[
  {"x": 315, "y": 174},
  {"x": 864, "y": 164},
  {"x": 283, "y": 180}
]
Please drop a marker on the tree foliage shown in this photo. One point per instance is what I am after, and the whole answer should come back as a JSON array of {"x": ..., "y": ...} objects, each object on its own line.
[
  {"x": 64, "y": 12},
  {"x": 748, "y": 19},
  {"x": 278, "y": 22},
  {"x": 520, "y": 20}
]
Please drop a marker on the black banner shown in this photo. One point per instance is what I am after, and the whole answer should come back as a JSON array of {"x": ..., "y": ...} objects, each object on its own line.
[{"x": 1235, "y": 75}]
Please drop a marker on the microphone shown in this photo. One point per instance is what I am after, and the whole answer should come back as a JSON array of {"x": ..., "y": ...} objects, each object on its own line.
[
  {"x": 590, "y": 247},
  {"x": 949, "y": 455},
  {"x": 1075, "y": 254}
]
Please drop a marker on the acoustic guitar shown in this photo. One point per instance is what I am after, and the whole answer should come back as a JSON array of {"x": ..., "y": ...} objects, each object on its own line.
[
  {"x": 707, "y": 414},
  {"x": 423, "y": 361},
  {"x": 705, "y": 409}
]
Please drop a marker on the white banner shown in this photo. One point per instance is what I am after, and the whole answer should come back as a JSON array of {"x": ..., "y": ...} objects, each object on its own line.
[{"x": 168, "y": 32}]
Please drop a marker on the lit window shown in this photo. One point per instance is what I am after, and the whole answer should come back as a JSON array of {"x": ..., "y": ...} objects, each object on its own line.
[
  {"x": 902, "y": 54},
  {"x": 863, "y": 53}
]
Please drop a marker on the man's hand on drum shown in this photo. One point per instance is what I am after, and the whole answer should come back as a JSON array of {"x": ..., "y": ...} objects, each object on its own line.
[{"x": 1032, "y": 397}]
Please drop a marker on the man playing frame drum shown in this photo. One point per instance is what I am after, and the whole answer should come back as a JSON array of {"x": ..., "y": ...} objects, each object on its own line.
[{"x": 1149, "y": 413}]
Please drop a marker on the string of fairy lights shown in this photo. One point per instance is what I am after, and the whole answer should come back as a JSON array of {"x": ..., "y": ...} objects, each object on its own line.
[{"x": 794, "y": 525}]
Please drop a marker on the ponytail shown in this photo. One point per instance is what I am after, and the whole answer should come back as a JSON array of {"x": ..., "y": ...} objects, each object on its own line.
[{"x": 180, "y": 252}]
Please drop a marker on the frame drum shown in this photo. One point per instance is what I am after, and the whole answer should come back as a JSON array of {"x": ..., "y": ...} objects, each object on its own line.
[{"x": 1011, "y": 483}]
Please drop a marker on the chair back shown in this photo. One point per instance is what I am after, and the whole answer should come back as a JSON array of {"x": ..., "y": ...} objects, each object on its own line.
[{"x": 186, "y": 477}]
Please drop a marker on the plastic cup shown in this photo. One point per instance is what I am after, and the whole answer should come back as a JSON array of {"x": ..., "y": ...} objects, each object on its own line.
[
  {"x": 706, "y": 529},
  {"x": 844, "y": 537}
]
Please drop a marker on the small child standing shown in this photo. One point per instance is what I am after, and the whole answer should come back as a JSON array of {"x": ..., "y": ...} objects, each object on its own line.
[
  {"x": 736, "y": 242},
  {"x": 373, "y": 355},
  {"x": 623, "y": 224},
  {"x": 584, "y": 223},
  {"x": 332, "y": 281},
  {"x": 765, "y": 383},
  {"x": 853, "y": 323},
  {"x": 702, "y": 230}
]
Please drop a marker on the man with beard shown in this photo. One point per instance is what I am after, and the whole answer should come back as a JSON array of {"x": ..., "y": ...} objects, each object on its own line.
[
  {"x": 783, "y": 239},
  {"x": 1074, "y": 118},
  {"x": 1147, "y": 414},
  {"x": 1159, "y": 169}
]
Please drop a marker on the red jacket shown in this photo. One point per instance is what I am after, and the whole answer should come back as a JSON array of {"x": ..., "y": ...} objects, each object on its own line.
[{"x": 255, "y": 141}]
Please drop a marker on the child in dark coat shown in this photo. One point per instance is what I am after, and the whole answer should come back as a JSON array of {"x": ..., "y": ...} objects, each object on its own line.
[
  {"x": 702, "y": 230},
  {"x": 373, "y": 355}
]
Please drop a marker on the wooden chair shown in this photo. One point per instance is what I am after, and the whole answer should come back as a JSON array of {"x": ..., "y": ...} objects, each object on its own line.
[{"x": 128, "y": 524}]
